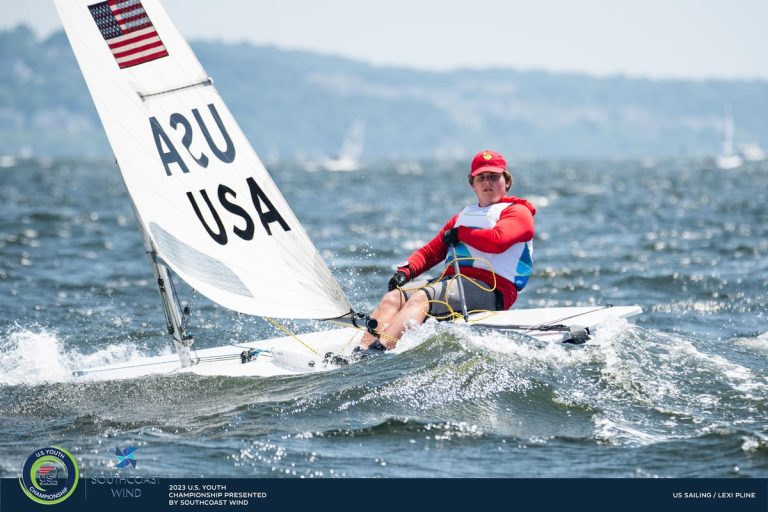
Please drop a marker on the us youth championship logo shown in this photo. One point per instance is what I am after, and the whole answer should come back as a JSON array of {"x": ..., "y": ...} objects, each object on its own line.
[{"x": 49, "y": 475}]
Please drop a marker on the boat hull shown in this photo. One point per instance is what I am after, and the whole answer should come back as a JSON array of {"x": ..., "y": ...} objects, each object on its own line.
[{"x": 307, "y": 352}]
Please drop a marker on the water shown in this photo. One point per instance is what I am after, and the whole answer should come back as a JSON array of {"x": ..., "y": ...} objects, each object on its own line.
[{"x": 681, "y": 393}]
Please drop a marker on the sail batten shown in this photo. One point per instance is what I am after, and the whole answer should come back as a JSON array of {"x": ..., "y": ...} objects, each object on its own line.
[
  {"x": 202, "y": 194},
  {"x": 201, "y": 83}
]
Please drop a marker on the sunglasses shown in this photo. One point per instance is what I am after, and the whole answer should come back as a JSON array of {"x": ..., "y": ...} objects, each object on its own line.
[{"x": 490, "y": 177}]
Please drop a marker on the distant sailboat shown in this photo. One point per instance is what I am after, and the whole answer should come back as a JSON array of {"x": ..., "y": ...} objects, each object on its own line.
[
  {"x": 727, "y": 159},
  {"x": 348, "y": 158},
  {"x": 752, "y": 152}
]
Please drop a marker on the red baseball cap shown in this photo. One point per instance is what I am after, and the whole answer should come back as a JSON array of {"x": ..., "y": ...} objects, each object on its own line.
[{"x": 488, "y": 161}]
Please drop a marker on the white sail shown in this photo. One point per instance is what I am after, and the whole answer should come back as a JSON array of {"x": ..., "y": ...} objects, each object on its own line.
[
  {"x": 727, "y": 159},
  {"x": 201, "y": 193},
  {"x": 728, "y": 133},
  {"x": 348, "y": 158}
]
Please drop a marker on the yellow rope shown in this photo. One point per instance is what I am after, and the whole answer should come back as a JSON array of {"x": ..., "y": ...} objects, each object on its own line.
[
  {"x": 349, "y": 342},
  {"x": 376, "y": 333},
  {"x": 289, "y": 333},
  {"x": 292, "y": 335},
  {"x": 452, "y": 314}
]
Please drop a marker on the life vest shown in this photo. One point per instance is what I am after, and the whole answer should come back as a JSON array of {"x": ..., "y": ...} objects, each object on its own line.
[{"x": 515, "y": 264}]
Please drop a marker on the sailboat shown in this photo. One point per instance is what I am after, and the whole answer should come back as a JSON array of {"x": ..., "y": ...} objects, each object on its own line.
[
  {"x": 210, "y": 214},
  {"x": 727, "y": 159},
  {"x": 351, "y": 150},
  {"x": 752, "y": 152}
]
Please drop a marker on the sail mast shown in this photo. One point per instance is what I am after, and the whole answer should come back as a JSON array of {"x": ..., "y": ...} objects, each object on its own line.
[{"x": 182, "y": 340}]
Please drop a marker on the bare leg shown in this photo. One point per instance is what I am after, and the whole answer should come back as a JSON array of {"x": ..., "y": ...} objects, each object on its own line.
[
  {"x": 389, "y": 306},
  {"x": 415, "y": 309},
  {"x": 393, "y": 328}
]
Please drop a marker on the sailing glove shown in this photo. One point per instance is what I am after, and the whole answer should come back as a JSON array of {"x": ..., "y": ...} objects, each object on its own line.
[
  {"x": 451, "y": 237},
  {"x": 397, "y": 280}
]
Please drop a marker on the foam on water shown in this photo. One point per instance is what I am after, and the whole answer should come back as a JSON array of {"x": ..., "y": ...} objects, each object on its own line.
[
  {"x": 757, "y": 344},
  {"x": 644, "y": 386},
  {"x": 497, "y": 373},
  {"x": 753, "y": 443},
  {"x": 623, "y": 432},
  {"x": 36, "y": 355},
  {"x": 659, "y": 386},
  {"x": 516, "y": 349}
]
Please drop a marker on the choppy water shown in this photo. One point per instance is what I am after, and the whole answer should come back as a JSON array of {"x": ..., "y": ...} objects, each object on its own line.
[{"x": 682, "y": 393}]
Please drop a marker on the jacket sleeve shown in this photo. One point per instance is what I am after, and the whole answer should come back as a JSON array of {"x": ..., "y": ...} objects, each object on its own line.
[
  {"x": 431, "y": 254},
  {"x": 515, "y": 225}
]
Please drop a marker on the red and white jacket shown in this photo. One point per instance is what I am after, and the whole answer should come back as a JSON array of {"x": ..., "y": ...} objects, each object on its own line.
[{"x": 501, "y": 235}]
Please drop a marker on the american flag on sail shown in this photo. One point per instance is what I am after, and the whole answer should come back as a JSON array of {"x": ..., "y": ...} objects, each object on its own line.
[{"x": 128, "y": 32}]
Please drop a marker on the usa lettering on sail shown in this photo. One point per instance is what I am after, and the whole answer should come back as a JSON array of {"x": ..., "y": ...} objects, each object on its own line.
[{"x": 225, "y": 196}]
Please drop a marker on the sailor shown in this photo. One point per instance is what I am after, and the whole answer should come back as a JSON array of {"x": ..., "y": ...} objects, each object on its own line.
[{"x": 493, "y": 242}]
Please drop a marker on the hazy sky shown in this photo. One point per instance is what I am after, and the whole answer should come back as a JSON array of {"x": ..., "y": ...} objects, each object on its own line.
[{"x": 652, "y": 38}]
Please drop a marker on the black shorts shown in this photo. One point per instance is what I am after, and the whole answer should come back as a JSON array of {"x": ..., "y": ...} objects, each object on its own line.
[{"x": 445, "y": 299}]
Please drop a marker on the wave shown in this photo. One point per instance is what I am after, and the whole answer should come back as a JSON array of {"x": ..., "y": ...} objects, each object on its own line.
[
  {"x": 627, "y": 386},
  {"x": 36, "y": 355},
  {"x": 758, "y": 344}
]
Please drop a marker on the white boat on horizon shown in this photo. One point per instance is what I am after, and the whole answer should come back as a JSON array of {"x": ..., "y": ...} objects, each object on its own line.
[
  {"x": 752, "y": 152},
  {"x": 727, "y": 159},
  {"x": 348, "y": 158}
]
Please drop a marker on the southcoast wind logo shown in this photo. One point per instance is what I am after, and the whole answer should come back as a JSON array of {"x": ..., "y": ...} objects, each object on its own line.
[
  {"x": 49, "y": 475},
  {"x": 123, "y": 485},
  {"x": 126, "y": 457}
]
